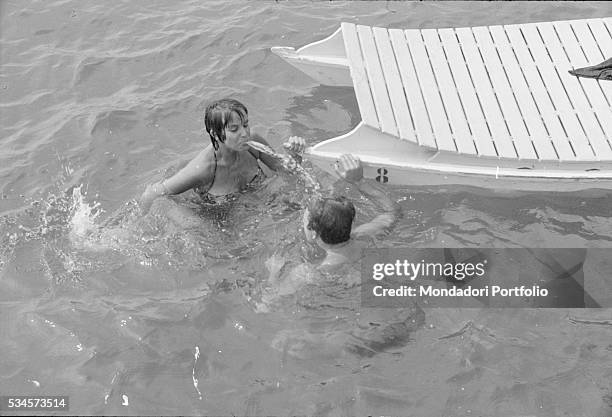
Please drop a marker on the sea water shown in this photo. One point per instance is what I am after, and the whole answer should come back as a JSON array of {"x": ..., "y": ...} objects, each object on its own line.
[{"x": 200, "y": 309}]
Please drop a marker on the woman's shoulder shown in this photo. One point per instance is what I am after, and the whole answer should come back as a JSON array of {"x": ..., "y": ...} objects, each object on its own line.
[
  {"x": 207, "y": 153},
  {"x": 200, "y": 168},
  {"x": 204, "y": 160}
]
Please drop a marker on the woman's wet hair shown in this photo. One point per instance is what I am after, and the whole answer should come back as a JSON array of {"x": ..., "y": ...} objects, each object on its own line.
[
  {"x": 332, "y": 219},
  {"x": 218, "y": 115}
]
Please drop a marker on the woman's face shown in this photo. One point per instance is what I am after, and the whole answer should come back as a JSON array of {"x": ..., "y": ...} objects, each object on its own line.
[{"x": 237, "y": 133}]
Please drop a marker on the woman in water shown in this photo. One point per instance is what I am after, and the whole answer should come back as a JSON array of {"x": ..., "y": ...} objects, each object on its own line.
[{"x": 228, "y": 165}]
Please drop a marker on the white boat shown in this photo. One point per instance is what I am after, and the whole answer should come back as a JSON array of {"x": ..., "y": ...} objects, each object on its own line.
[{"x": 490, "y": 106}]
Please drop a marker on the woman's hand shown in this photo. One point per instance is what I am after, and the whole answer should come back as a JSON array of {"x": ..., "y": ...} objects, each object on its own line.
[
  {"x": 151, "y": 193},
  {"x": 146, "y": 199},
  {"x": 295, "y": 145},
  {"x": 349, "y": 168}
]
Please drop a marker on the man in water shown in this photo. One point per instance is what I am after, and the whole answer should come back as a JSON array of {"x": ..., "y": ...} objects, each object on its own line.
[{"x": 328, "y": 221}]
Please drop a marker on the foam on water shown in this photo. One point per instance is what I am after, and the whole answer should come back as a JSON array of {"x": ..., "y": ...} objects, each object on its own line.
[{"x": 196, "y": 356}]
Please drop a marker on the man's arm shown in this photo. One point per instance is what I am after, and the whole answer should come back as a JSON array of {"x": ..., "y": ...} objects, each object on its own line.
[
  {"x": 384, "y": 221},
  {"x": 349, "y": 168}
]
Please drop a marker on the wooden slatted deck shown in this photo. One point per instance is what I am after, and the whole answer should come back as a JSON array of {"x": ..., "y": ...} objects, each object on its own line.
[{"x": 496, "y": 91}]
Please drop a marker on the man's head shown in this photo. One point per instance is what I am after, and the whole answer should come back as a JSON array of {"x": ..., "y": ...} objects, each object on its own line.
[
  {"x": 218, "y": 115},
  {"x": 330, "y": 219}
]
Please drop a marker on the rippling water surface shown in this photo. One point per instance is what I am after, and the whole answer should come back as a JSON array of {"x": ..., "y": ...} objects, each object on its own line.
[{"x": 197, "y": 309}]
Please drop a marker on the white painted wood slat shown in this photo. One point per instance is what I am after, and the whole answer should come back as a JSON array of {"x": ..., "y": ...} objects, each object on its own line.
[
  {"x": 591, "y": 48},
  {"x": 394, "y": 85},
  {"x": 429, "y": 89},
  {"x": 358, "y": 73},
  {"x": 538, "y": 90},
  {"x": 594, "y": 94},
  {"x": 510, "y": 111},
  {"x": 377, "y": 81},
  {"x": 448, "y": 92},
  {"x": 583, "y": 51},
  {"x": 603, "y": 37},
  {"x": 467, "y": 94},
  {"x": 495, "y": 120},
  {"x": 604, "y": 41},
  {"x": 530, "y": 113},
  {"x": 583, "y": 34},
  {"x": 572, "y": 86},
  {"x": 603, "y": 44},
  {"x": 557, "y": 92},
  {"x": 491, "y": 91},
  {"x": 412, "y": 89}
]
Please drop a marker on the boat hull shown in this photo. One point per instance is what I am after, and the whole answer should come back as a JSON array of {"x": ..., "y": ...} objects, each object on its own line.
[
  {"x": 410, "y": 176},
  {"x": 391, "y": 161}
]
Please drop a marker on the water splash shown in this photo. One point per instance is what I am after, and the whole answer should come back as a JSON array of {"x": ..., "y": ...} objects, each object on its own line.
[
  {"x": 83, "y": 220},
  {"x": 290, "y": 165},
  {"x": 88, "y": 231},
  {"x": 195, "y": 380},
  {"x": 85, "y": 228},
  {"x": 57, "y": 225}
]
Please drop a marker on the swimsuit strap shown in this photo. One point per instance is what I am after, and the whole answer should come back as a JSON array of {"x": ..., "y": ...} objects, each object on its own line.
[
  {"x": 214, "y": 172},
  {"x": 259, "y": 169}
]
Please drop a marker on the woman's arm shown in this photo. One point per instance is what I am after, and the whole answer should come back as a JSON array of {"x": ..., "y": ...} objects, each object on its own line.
[
  {"x": 268, "y": 160},
  {"x": 199, "y": 171},
  {"x": 295, "y": 145}
]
